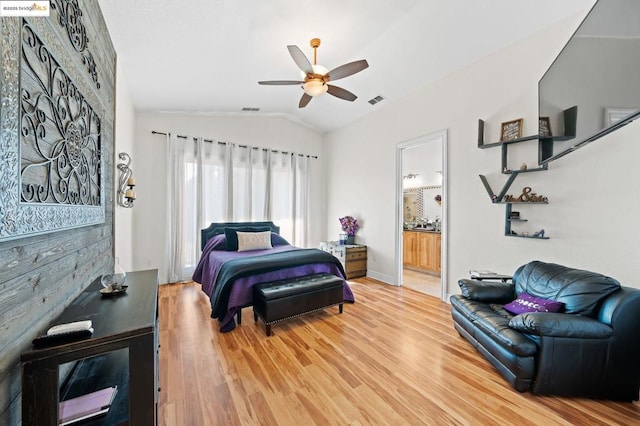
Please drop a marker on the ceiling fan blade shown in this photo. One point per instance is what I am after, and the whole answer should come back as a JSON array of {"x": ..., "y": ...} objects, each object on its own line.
[
  {"x": 347, "y": 69},
  {"x": 341, "y": 93},
  {"x": 304, "y": 100},
  {"x": 281, "y": 82},
  {"x": 301, "y": 61}
]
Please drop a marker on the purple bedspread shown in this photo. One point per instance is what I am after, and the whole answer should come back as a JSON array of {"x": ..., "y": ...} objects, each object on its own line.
[{"x": 241, "y": 294}]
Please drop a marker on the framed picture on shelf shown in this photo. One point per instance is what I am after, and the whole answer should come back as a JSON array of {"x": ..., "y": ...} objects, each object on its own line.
[
  {"x": 544, "y": 127},
  {"x": 511, "y": 130}
]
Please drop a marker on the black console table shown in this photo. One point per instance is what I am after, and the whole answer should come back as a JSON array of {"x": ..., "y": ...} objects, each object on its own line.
[{"x": 126, "y": 321}]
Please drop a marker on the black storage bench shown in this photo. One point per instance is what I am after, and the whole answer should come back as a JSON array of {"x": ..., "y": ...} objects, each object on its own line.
[{"x": 279, "y": 300}]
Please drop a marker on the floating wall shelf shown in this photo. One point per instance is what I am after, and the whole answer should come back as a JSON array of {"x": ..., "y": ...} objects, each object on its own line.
[
  {"x": 545, "y": 143},
  {"x": 545, "y": 152},
  {"x": 509, "y": 220}
]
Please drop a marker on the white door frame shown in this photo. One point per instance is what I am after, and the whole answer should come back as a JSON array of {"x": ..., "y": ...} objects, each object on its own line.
[{"x": 430, "y": 138}]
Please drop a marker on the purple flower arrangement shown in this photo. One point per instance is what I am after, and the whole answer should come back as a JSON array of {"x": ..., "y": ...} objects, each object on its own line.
[{"x": 349, "y": 225}]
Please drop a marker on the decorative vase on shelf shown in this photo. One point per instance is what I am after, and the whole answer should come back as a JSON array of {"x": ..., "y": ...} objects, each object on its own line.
[
  {"x": 115, "y": 279},
  {"x": 351, "y": 239}
]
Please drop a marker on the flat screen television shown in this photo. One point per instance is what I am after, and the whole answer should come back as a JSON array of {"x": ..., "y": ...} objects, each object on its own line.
[{"x": 593, "y": 87}]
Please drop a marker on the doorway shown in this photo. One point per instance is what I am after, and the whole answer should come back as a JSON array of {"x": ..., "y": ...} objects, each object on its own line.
[{"x": 421, "y": 219}]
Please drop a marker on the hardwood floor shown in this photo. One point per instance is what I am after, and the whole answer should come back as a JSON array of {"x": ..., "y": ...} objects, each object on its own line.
[
  {"x": 393, "y": 357},
  {"x": 422, "y": 282}
]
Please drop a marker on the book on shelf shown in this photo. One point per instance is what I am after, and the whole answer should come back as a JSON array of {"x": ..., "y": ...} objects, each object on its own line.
[
  {"x": 481, "y": 273},
  {"x": 488, "y": 275},
  {"x": 86, "y": 406}
]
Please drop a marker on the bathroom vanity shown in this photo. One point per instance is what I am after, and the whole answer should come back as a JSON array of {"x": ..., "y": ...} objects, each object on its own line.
[{"x": 422, "y": 250}]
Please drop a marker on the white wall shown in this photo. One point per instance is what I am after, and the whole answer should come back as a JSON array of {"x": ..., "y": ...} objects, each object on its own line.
[
  {"x": 591, "y": 202},
  {"x": 589, "y": 218},
  {"x": 425, "y": 160},
  {"x": 150, "y": 212},
  {"x": 125, "y": 130}
]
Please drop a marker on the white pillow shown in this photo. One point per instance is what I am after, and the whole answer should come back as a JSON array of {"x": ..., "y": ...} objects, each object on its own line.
[{"x": 254, "y": 240}]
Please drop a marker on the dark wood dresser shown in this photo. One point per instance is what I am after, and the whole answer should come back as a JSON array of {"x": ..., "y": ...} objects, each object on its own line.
[{"x": 122, "y": 351}]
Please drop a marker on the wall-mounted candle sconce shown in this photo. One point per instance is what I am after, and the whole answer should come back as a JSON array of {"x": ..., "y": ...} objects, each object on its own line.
[{"x": 126, "y": 194}]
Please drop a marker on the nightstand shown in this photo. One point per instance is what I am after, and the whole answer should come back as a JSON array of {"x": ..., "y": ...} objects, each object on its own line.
[{"x": 352, "y": 256}]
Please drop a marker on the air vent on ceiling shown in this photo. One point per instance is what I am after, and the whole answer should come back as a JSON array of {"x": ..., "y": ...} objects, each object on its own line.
[
  {"x": 377, "y": 99},
  {"x": 250, "y": 109}
]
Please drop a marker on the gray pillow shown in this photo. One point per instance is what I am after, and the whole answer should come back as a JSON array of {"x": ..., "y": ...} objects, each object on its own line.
[{"x": 232, "y": 236}]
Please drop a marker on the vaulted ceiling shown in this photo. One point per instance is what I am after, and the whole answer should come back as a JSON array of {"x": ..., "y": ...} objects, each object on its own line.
[{"x": 206, "y": 56}]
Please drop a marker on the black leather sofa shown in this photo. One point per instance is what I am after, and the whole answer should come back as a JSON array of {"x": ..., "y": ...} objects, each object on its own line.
[{"x": 590, "y": 348}]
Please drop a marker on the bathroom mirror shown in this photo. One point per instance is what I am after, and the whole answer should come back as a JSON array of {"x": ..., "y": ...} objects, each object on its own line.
[{"x": 410, "y": 206}]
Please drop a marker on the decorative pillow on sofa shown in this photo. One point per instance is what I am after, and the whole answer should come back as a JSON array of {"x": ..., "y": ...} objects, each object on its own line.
[
  {"x": 254, "y": 240},
  {"x": 528, "y": 303}
]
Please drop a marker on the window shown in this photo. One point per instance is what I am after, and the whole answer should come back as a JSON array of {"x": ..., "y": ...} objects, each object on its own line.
[{"x": 221, "y": 182}]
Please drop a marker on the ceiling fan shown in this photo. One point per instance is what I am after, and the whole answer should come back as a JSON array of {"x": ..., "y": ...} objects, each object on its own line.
[{"x": 317, "y": 77}]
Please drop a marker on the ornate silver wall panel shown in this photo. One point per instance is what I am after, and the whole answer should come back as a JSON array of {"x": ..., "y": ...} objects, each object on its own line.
[
  {"x": 50, "y": 150},
  {"x": 40, "y": 273},
  {"x": 70, "y": 17},
  {"x": 60, "y": 145}
]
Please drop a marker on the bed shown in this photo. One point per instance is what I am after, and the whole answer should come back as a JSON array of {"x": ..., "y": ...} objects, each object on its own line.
[{"x": 227, "y": 270}]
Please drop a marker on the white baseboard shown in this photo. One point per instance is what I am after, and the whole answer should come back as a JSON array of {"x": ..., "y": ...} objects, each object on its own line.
[{"x": 387, "y": 279}]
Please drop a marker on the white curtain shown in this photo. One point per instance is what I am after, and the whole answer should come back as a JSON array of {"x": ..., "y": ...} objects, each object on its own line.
[{"x": 210, "y": 181}]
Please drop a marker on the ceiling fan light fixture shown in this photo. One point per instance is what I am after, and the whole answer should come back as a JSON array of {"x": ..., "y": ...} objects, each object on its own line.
[
  {"x": 317, "y": 70},
  {"x": 314, "y": 77},
  {"x": 320, "y": 70},
  {"x": 315, "y": 87}
]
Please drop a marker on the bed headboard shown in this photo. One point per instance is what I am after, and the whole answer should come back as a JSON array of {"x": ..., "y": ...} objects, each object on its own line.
[{"x": 218, "y": 228}]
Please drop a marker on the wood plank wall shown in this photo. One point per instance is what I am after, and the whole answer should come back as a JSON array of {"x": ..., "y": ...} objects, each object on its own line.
[{"x": 40, "y": 275}]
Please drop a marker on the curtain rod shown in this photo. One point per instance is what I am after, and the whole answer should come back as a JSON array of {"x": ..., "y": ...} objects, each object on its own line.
[{"x": 315, "y": 157}]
